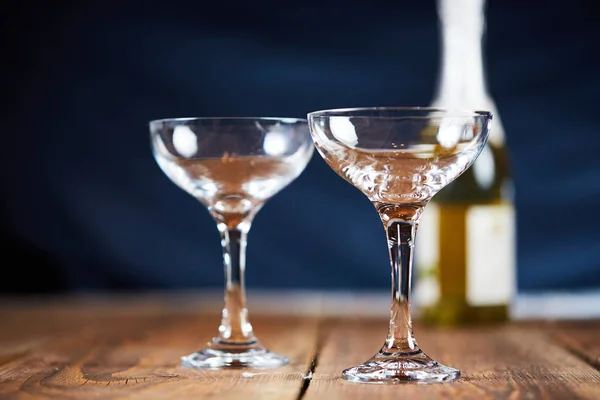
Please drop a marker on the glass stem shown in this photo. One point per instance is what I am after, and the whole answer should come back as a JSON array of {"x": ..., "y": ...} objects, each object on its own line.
[
  {"x": 235, "y": 326},
  {"x": 400, "y": 222}
]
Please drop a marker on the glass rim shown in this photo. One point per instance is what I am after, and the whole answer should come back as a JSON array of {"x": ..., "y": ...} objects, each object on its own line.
[
  {"x": 346, "y": 112},
  {"x": 290, "y": 120}
]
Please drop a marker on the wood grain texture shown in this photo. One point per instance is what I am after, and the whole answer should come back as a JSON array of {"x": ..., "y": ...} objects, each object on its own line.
[
  {"x": 581, "y": 338},
  {"x": 500, "y": 362},
  {"x": 85, "y": 354},
  {"x": 129, "y": 348}
]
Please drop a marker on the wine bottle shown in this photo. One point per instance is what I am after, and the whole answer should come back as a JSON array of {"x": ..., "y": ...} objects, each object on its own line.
[{"x": 466, "y": 248}]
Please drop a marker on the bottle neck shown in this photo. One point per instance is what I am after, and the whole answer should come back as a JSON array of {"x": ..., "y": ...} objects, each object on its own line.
[{"x": 462, "y": 80}]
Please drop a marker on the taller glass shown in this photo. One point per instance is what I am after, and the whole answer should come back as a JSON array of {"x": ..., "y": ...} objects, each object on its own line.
[
  {"x": 232, "y": 166},
  {"x": 400, "y": 158}
]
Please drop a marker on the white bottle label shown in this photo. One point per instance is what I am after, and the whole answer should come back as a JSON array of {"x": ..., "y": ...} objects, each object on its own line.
[
  {"x": 490, "y": 254},
  {"x": 427, "y": 256}
]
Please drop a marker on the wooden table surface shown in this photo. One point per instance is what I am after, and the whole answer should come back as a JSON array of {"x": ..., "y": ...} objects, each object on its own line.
[{"x": 129, "y": 348}]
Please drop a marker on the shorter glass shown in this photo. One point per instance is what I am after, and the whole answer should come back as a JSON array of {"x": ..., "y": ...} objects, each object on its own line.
[{"x": 232, "y": 166}]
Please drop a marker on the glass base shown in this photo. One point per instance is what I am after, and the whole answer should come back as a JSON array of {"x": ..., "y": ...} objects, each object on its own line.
[
  {"x": 220, "y": 355},
  {"x": 395, "y": 368}
]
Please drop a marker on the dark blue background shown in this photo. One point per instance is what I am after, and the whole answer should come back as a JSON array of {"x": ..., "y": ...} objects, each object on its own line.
[{"x": 84, "y": 206}]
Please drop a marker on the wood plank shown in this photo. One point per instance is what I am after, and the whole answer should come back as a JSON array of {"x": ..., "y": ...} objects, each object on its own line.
[
  {"x": 500, "y": 362},
  {"x": 582, "y": 338},
  {"x": 129, "y": 348},
  {"x": 79, "y": 353}
]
